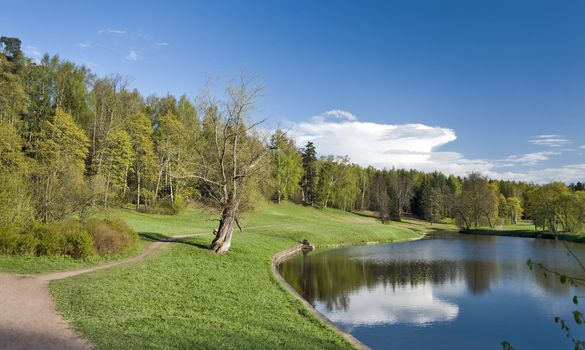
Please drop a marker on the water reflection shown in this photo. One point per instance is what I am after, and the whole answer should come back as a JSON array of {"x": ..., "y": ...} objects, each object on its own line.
[
  {"x": 413, "y": 305},
  {"x": 417, "y": 284}
]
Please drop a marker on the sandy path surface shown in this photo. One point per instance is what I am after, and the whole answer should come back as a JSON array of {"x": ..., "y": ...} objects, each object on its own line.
[{"x": 28, "y": 317}]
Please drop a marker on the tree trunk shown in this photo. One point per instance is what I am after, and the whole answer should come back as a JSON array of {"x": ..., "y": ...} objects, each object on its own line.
[
  {"x": 363, "y": 196},
  {"x": 137, "y": 189},
  {"x": 158, "y": 183},
  {"x": 170, "y": 182},
  {"x": 223, "y": 238},
  {"x": 489, "y": 220}
]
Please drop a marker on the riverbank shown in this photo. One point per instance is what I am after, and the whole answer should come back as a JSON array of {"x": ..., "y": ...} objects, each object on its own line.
[
  {"x": 185, "y": 297},
  {"x": 564, "y": 236}
]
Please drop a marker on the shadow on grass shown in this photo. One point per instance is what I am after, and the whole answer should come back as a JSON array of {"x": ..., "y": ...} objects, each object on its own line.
[{"x": 157, "y": 237}]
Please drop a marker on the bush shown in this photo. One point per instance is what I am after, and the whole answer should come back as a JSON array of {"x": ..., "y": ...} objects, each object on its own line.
[
  {"x": 111, "y": 236},
  {"x": 69, "y": 237},
  {"x": 76, "y": 241},
  {"x": 79, "y": 245},
  {"x": 50, "y": 240},
  {"x": 9, "y": 240},
  {"x": 167, "y": 207}
]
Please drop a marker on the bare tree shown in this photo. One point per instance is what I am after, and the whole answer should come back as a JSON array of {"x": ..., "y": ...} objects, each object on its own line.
[{"x": 228, "y": 154}]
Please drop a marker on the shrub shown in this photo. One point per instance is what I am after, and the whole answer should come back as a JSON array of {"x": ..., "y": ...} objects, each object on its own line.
[
  {"x": 26, "y": 244},
  {"x": 8, "y": 240},
  {"x": 69, "y": 237},
  {"x": 179, "y": 204},
  {"x": 168, "y": 207},
  {"x": 50, "y": 240},
  {"x": 76, "y": 241},
  {"x": 111, "y": 236},
  {"x": 79, "y": 245}
]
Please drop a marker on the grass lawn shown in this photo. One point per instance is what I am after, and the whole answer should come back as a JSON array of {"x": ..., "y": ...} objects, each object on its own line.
[{"x": 185, "y": 297}]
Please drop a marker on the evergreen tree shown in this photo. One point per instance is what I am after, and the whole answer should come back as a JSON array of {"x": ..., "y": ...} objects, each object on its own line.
[{"x": 309, "y": 178}]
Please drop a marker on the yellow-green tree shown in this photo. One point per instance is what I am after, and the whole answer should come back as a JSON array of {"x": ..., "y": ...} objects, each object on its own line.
[
  {"x": 140, "y": 130},
  {"x": 515, "y": 209},
  {"x": 116, "y": 157},
  {"x": 477, "y": 203},
  {"x": 171, "y": 146},
  {"x": 15, "y": 197},
  {"x": 60, "y": 152},
  {"x": 287, "y": 164}
]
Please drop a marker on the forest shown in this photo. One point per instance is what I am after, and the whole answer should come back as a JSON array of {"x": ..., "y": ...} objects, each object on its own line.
[{"x": 73, "y": 143}]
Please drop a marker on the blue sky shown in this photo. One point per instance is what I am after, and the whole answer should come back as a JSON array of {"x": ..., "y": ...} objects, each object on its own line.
[{"x": 495, "y": 86}]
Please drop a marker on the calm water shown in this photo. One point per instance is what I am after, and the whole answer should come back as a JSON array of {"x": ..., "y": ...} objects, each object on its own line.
[{"x": 445, "y": 292}]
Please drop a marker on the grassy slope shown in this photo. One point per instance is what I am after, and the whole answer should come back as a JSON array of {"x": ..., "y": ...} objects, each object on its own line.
[{"x": 185, "y": 297}]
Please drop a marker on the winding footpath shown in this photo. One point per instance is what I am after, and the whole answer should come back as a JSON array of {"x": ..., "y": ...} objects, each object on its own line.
[{"x": 28, "y": 316}]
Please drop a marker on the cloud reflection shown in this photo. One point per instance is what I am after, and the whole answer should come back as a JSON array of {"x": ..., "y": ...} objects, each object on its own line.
[{"x": 411, "y": 305}]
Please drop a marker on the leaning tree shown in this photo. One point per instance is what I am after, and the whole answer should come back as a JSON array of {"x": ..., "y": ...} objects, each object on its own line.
[{"x": 229, "y": 153}]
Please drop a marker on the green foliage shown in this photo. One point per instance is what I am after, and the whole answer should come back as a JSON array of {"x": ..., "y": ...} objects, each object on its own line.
[
  {"x": 309, "y": 178},
  {"x": 287, "y": 165},
  {"x": 13, "y": 242},
  {"x": 115, "y": 159},
  {"x": 60, "y": 153},
  {"x": 69, "y": 238},
  {"x": 556, "y": 207},
  {"x": 477, "y": 204},
  {"x": 50, "y": 240},
  {"x": 515, "y": 209},
  {"x": 15, "y": 194},
  {"x": 140, "y": 130}
]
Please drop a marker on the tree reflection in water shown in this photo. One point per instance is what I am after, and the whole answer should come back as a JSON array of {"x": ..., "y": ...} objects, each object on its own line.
[{"x": 478, "y": 262}]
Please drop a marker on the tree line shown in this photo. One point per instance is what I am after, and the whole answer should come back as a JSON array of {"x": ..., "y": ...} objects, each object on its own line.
[{"x": 72, "y": 141}]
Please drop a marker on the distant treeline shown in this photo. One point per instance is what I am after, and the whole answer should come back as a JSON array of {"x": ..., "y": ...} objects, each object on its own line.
[{"x": 71, "y": 141}]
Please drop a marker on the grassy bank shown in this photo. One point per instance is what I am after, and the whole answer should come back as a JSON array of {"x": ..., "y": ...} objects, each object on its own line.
[
  {"x": 185, "y": 297},
  {"x": 526, "y": 229}
]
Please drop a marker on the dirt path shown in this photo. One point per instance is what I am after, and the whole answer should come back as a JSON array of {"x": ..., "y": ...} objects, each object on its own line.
[{"x": 28, "y": 317}]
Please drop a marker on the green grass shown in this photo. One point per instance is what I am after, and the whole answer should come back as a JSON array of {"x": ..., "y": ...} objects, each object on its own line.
[
  {"x": 43, "y": 264},
  {"x": 185, "y": 297}
]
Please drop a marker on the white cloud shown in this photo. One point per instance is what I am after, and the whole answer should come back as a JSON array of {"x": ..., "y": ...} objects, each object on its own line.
[
  {"x": 550, "y": 141},
  {"x": 381, "y": 145},
  {"x": 416, "y": 146},
  {"x": 84, "y": 44},
  {"x": 111, "y": 31},
  {"x": 132, "y": 56},
  {"x": 565, "y": 173},
  {"x": 528, "y": 158},
  {"x": 159, "y": 45},
  {"x": 582, "y": 147},
  {"x": 34, "y": 53},
  {"x": 339, "y": 114}
]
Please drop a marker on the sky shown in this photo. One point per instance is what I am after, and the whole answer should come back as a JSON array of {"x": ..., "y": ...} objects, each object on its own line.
[{"x": 495, "y": 86}]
